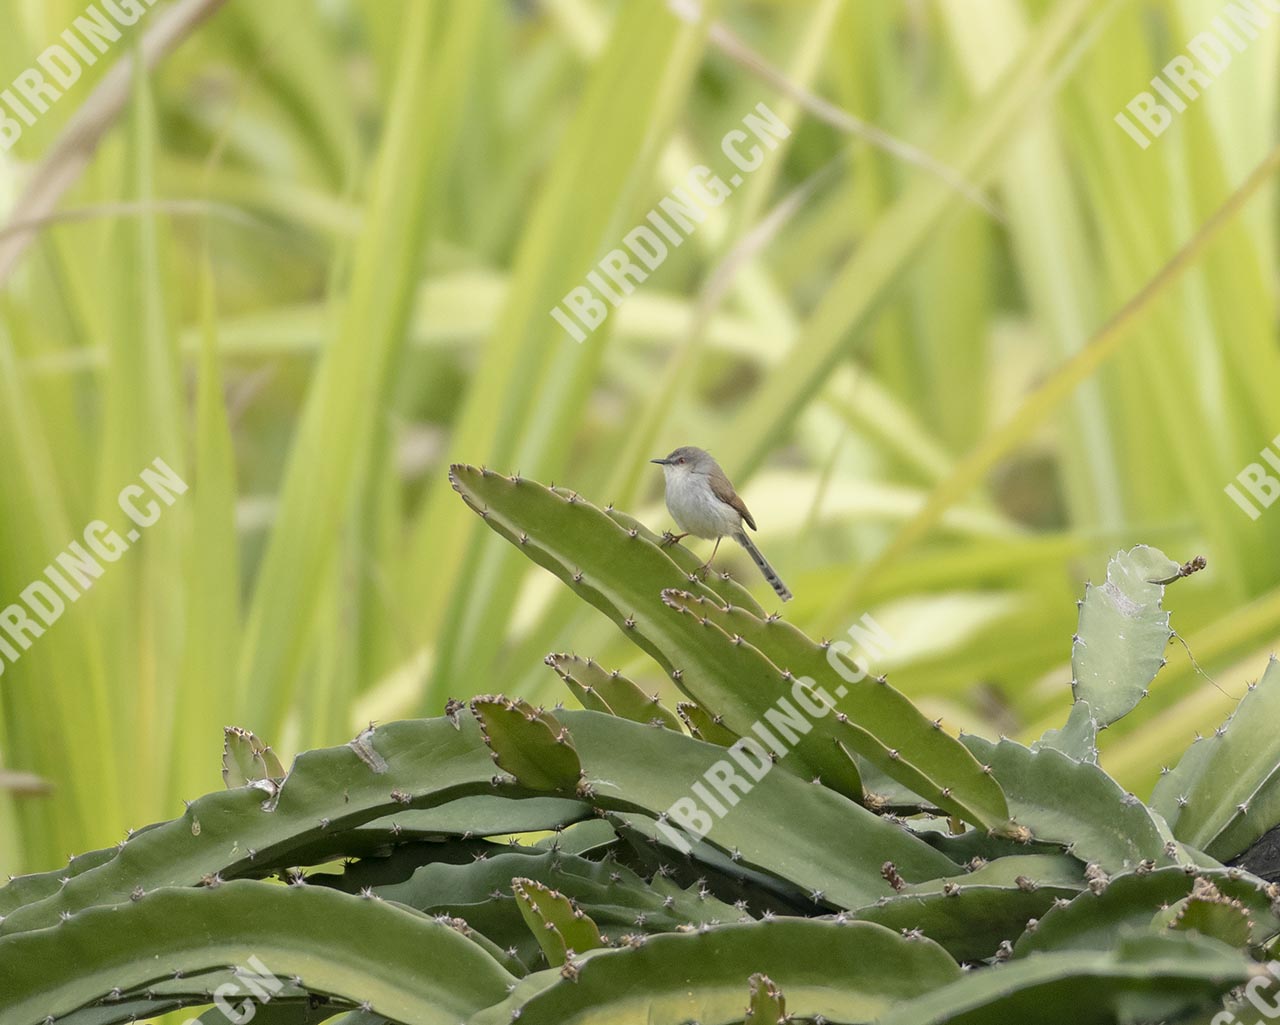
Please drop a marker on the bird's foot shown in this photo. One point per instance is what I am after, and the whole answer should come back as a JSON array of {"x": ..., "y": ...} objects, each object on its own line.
[
  {"x": 703, "y": 571},
  {"x": 669, "y": 538}
]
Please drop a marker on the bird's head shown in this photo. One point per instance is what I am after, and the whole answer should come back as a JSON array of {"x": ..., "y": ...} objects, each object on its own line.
[{"x": 684, "y": 461}]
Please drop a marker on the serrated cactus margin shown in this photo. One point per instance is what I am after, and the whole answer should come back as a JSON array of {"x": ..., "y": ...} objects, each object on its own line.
[{"x": 1119, "y": 644}]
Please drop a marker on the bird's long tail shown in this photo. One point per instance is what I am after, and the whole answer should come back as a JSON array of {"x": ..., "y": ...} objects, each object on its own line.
[{"x": 774, "y": 580}]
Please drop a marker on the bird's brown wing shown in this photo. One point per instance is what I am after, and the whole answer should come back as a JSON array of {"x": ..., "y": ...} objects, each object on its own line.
[{"x": 723, "y": 490}]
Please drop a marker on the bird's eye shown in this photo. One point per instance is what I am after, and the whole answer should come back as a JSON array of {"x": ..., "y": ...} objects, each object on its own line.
[{"x": 680, "y": 460}]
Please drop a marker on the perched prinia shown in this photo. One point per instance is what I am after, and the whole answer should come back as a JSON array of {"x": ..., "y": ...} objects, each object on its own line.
[{"x": 703, "y": 503}]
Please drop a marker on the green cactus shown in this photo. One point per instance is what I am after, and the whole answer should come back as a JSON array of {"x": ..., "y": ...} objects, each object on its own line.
[
  {"x": 711, "y": 871},
  {"x": 1111, "y": 908},
  {"x": 562, "y": 929},
  {"x": 1210, "y": 913},
  {"x": 968, "y": 921},
  {"x": 374, "y": 957},
  {"x": 1024, "y": 871},
  {"x": 625, "y": 864},
  {"x": 528, "y": 743},
  {"x": 593, "y": 835},
  {"x": 1154, "y": 978},
  {"x": 1225, "y": 793},
  {"x": 31, "y": 888},
  {"x": 622, "y": 570},
  {"x": 1170, "y": 794},
  {"x": 480, "y": 890},
  {"x": 845, "y": 972},
  {"x": 719, "y": 654},
  {"x": 246, "y": 759},
  {"x": 783, "y": 825},
  {"x": 1078, "y": 805},
  {"x": 972, "y": 915},
  {"x": 1078, "y": 738},
  {"x": 766, "y": 1005},
  {"x": 605, "y": 691},
  {"x": 131, "y": 1011},
  {"x": 1119, "y": 645},
  {"x": 1117, "y": 650},
  {"x": 869, "y": 717},
  {"x": 721, "y": 584},
  {"x": 702, "y": 725},
  {"x": 253, "y": 831}
]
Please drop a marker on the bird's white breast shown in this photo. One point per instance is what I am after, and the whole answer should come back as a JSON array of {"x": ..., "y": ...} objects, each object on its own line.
[{"x": 696, "y": 509}]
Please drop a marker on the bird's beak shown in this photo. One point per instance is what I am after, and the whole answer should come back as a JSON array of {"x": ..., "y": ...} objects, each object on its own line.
[{"x": 660, "y": 462}]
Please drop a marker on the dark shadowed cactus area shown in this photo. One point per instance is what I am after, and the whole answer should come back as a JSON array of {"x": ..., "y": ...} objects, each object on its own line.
[{"x": 505, "y": 863}]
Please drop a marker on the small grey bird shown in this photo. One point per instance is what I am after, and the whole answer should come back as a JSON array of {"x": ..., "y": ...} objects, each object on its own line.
[{"x": 703, "y": 503}]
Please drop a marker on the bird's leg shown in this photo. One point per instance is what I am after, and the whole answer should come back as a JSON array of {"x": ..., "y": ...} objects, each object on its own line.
[
  {"x": 669, "y": 538},
  {"x": 705, "y": 568}
]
